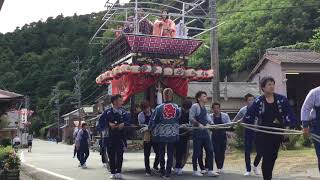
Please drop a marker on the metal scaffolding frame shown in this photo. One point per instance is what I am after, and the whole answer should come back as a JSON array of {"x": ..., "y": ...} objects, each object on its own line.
[{"x": 186, "y": 15}]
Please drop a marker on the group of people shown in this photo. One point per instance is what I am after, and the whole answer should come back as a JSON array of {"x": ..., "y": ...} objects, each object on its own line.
[
  {"x": 17, "y": 141},
  {"x": 163, "y": 26},
  {"x": 168, "y": 128}
]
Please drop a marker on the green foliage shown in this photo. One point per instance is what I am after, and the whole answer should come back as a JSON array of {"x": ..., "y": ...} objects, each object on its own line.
[
  {"x": 38, "y": 56},
  {"x": 306, "y": 142},
  {"x": 12, "y": 161},
  {"x": 239, "y": 137},
  {"x": 247, "y": 34},
  {"x": 4, "y": 154}
]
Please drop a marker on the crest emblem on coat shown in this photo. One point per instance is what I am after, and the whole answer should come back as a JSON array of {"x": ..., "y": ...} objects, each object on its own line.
[{"x": 169, "y": 111}]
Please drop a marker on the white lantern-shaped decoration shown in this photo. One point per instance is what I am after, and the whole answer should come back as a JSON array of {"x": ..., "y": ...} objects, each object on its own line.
[
  {"x": 179, "y": 72},
  {"x": 190, "y": 73},
  {"x": 168, "y": 71},
  {"x": 125, "y": 68},
  {"x": 135, "y": 69},
  {"x": 157, "y": 70},
  {"x": 200, "y": 74},
  {"x": 116, "y": 72},
  {"x": 99, "y": 80},
  {"x": 108, "y": 75},
  {"x": 145, "y": 69},
  {"x": 210, "y": 73}
]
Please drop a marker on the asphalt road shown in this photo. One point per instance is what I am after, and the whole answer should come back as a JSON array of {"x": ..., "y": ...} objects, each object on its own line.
[{"x": 56, "y": 161}]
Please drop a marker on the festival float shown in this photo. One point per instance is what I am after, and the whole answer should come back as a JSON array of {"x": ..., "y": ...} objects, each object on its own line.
[{"x": 146, "y": 57}]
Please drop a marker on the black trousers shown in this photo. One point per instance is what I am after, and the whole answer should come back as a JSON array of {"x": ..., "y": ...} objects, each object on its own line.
[
  {"x": 75, "y": 151},
  {"x": 147, "y": 151},
  {"x": 181, "y": 150},
  {"x": 198, "y": 144},
  {"x": 115, "y": 153},
  {"x": 103, "y": 154},
  {"x": 202, "y": 165},
  {"x": 166, "y": 170},
  {"x": 268, "y": 147},
  {"x": 219, "y": 142},
  {"x": 83, "y": 154},
  {"x": 248, "y": 143}
]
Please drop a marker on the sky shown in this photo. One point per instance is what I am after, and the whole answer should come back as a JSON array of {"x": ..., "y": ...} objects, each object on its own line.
[{"x": 20, "y": 12}]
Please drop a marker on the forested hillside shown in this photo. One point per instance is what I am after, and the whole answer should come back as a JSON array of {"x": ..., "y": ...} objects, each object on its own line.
[{"x": 38, "y": 57}]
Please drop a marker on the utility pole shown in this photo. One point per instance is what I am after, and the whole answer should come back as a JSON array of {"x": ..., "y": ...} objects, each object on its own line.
[
  {"x": 77, "y": 87},
  {"x": 57, "y": 106},
  {"x": 214, "y": 51}
]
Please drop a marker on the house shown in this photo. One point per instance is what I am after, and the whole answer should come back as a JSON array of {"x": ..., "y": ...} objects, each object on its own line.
[
  {"x": 71, "y": 120},
  {"x": 295, "y": 72},
  {"x": 9, "y": 100},
  {"x": 231, "y": 93}
]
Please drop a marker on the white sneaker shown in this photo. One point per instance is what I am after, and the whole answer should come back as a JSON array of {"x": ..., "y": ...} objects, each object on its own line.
[
  {"x": 197, "y": 173},
  {"x": 104, "y": 165},
  {"x": 256, "y": 170},
  {"x": 203, "y": 171},
  {"x": 113, "y": 176},
  {"x": 119, "y": 176},
  {"x": 179, "y": 173},
  {"x": 212, "y": 174},
  {"x": 148, "y": 174},
  {"x": 84, "y": 166},
  {"x": 247, "y": 173},
  {"x": 176, "y": 170},
  {"x": 79, "y": 165},
  {"x": 220, "y": 171}
]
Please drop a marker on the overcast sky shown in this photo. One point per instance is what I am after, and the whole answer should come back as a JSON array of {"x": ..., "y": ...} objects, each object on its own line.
[{"x": 20, "y": 12}]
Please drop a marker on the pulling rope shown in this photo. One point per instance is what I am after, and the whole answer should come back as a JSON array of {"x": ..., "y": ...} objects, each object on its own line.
[
  {"x": 257, "y": 128},
  {"x": 272, "y": 132},
  {"x": 315, "y": 137}
]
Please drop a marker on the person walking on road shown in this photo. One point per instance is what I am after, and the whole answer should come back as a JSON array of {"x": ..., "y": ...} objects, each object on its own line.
[
  {"x": 82, "y": 144},
  {"x": 182, "y": 145},
  {"x": 164, "y": 125},
  {"x": 144, "y": 119},
  {"x": 219, "y": 136},
  {"x": 310, "y": 117},
  {"x": 116, "y": 118},
  {"x": 271, "y": 110},
  {"x": 29, "y": 139},
  {"x": 249, "y": 136},
  {"x": 198, "y": 117}
]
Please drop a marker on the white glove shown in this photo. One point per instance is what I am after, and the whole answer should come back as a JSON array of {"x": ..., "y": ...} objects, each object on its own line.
[{"x": 143, "y": 129}]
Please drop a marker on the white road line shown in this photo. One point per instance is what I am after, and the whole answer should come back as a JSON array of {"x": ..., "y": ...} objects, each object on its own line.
[{"x": 43, "y": 170}]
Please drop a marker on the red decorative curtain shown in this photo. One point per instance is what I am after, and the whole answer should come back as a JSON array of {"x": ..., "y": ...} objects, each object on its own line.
[
  {"x": 131, "y": 84},
  {"x": 177, "y": 84}
]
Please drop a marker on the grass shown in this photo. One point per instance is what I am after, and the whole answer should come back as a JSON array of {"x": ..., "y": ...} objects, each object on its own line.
[{"x": 289, "y": 161}]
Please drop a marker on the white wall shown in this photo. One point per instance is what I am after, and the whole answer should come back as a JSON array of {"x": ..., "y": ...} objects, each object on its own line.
[{"x": 274, "y": 70}]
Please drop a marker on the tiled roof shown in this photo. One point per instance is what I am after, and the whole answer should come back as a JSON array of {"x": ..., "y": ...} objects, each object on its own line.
[
  {"x": 9, "y": 95},
  {"x": 293, "y": 56}
]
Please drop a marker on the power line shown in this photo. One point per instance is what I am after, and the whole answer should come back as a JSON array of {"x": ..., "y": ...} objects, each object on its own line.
[{"x": 267, "y": 9}]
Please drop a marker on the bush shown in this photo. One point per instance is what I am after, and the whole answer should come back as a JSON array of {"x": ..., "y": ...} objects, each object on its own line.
[
  {"x": 291, "y": 142},
  {"x": 4, "y": 154},
  {"x": 306, "y": 142},
  {"x": 12, "y": 162},
  {"x": 239, "y": 137}
]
